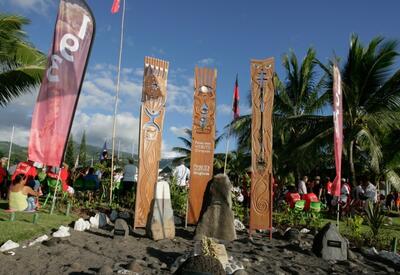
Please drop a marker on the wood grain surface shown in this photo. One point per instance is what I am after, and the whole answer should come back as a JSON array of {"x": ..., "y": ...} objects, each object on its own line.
[
  {"x": 203, "y": 139},
  {"x": 151, "y": 124},
  {"x": 262, "y": 93}
]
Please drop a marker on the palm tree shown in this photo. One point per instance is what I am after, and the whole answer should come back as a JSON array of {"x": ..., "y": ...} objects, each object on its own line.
[
  {"x": 299, "y": 126},
  {"x": 390, "y": 162},
  {"x": 186, "y": 150},
  {"x": 237, "y": 166},
  {"x": 21, "y": 65},
  {"x": 371, "y": 100}
]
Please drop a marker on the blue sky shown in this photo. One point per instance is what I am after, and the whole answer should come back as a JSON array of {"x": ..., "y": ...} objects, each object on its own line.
[{"x": 220, "y": 34}]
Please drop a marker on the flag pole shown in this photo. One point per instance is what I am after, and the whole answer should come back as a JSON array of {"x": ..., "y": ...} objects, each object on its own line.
[
  {"x": 116, "y": 101},
  {"x": 119, "y": 147},
  {"x": 133, "y": 149},
  {"x": 230, "y": 129},
  {"x": 227, "y": 147},
  {"x": 10, "y": 149},
  {"x": 53, "y": 204}
]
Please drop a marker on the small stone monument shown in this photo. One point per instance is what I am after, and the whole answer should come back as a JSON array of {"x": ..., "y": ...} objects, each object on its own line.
[
  {"x": 161, "y": 222},
  {"x": 121, "y": 228},
  {"x": 218, "y": 219},
  {"x": 329, "y": 244}
]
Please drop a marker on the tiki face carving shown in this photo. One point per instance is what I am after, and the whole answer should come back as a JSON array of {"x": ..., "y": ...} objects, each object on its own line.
[
  {"x": 152, "y": 87},
  {"x": 150, "y": 132}
]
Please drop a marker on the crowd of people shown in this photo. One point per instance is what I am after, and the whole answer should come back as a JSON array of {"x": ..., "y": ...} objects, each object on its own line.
[
  {"x": 22, "y": 184},
  {"x": 350, "y": 199}
]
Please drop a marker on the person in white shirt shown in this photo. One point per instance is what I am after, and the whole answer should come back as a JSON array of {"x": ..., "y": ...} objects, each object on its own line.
[
  {"x": 344, "y": 191},
  {"x": 182, "y": 174},
  {"x": 128, "y": 180},
  {"x": 302, "y": 188},
  {"x": 370, "y": 192}
]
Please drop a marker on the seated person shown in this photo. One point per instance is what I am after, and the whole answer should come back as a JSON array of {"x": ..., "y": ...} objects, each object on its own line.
[
  {"x": 26, "y": 168},
  {"x": 292, "y": 196},
  {"x": 309, "y": 197},
  {"x": 91, "y": 176},
  {"x": 18, "y": 196}
]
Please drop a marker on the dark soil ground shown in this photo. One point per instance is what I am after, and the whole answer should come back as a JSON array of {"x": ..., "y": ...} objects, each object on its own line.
[{"x": 96, "y": 251}]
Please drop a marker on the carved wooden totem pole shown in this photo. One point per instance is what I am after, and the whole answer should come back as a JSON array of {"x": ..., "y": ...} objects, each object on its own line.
[
  {"x": 203, "y": 139},
  {"x": 262, "y": 92},
  {"x": 151, "y": 124}
]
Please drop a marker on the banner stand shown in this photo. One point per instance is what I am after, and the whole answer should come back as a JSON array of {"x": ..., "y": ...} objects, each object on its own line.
[
  {"x": 187, "y": 206},
  {"x": 55, "y": 193}
]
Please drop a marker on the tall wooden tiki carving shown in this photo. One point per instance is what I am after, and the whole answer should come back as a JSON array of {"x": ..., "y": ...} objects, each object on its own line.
[
  {"x": 262, "y": 93},
  {"x": 151, "y": 124},
  {"x": 203, "y": 139}
]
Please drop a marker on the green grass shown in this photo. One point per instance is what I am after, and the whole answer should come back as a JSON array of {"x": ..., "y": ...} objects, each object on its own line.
[
  {"x": 386, "y": 234},
  {"x": 23, "y": 228},
  {"x": 384, "y": 238}
]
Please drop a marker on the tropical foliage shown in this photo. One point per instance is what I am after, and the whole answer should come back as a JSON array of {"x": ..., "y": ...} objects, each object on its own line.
[
  {"x": 303, "y": 125},
  {"x": 371, "y": 104},
  {"x": 21, "y": 65},
  {"x": 186, "y": 150}
]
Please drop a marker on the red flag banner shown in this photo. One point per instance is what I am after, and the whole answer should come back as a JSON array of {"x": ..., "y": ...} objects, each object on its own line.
[
  {"x": 338, "y": 126},
  {"x": 115, "y": 6},
  {"x": 235, "y": 107},
  {"x": 61, "y": 85}
]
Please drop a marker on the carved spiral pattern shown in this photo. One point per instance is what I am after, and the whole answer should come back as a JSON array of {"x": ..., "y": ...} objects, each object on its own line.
[
  {"x": 260, "y": 201},
  {"x": 262, "y": 102}
]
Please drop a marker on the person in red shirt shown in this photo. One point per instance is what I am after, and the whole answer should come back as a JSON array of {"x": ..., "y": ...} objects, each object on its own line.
[
  {"x": 292, "y": 196},
  {"x": 328, "y": 192},
  {"x": 64, "y": 177},
  {"x": 26, "y": 168},
  {"x": 309, "y": 197}
]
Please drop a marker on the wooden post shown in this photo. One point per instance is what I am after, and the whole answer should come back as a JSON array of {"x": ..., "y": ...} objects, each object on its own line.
[
  {"x": 68, "y": 209},
  {"x": 35, "y": 218},
  {"x": 262, "y": 91},
  {"x": 53, "y": 204},
  {"x": 203, "y": 139},
  {"x": 394, "y": 245},
  {"x": 154, "y": 95}
]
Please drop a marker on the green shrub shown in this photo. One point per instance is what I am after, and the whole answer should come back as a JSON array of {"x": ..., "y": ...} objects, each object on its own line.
[
  {"x": 375, "y": 218},
  {"x": 239, "y": 210},
  {"x": 355, "y": 225},
  {"x": 178, "y": 197}
]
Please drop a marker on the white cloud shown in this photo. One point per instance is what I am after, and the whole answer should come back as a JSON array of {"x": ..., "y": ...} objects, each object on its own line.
[
  {"x": 98, "y": 128},
  {"x": 178, "y": 131},
  {"x": 206, "y": 61},
  {"x": 95, "y": 108},
  {"x": 39, "y": 6},
  {"x": 106, "y": 83},
  {"x": 224, "y": 109},
  {"x": 21, "y": 135},
  {"x": 180, "y": 97},
  {"x": 18, "y": 113},
  {"x": 167, "y": 153},
  {"x": 139, "y": 72},
  {"x": 93, "y": 97}
]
